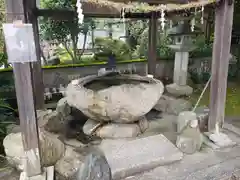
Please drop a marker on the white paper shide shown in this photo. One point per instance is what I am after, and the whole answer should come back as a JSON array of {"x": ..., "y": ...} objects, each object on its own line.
[{"x": 20, "y": 43}]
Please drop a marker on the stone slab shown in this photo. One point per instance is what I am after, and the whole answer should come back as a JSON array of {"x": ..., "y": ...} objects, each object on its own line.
[
  {"x": 200, "y": 166},
  {"x": 222, "y": 171},
  {"x": 231, "y": 128},
  {"x": 129, "y": 157}
]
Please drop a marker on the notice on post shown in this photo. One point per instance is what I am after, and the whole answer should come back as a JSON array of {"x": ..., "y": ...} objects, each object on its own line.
[{"x": 20, "y": 43}]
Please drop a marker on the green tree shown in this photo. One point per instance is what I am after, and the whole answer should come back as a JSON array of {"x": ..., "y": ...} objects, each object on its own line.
[
  {"x": 136, "y": 30},
  {"x": 2, "y": 19},
  {"x": 3, "y": 56},
  {"x": 108, "y": 46},
  {"x": 65, "y": 32}
]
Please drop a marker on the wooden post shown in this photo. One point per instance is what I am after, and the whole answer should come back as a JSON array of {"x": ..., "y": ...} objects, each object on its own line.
[
  {"x": 152, "y": 44},
  {"x": 38, "y": 86},
  {"x": 24, "y": 91},
  {"x": 220, "y": 62}
]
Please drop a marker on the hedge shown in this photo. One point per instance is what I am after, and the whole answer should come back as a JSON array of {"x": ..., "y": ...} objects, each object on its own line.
[{"x": 82, "y": 64}]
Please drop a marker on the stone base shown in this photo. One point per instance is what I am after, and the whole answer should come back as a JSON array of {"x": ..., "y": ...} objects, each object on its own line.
[
  {"x": 177, "y": 90},
  {"x": 172, "y": 105}
]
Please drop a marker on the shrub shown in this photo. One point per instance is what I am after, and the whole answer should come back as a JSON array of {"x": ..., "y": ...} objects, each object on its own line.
[
  {"x": 107, "y": 46},
  {"x": 7, "y": 116},
  {"x": 163, "y": 51},
  {"x": 202, "y": 49},
  {"x": 3, "y": 59}
]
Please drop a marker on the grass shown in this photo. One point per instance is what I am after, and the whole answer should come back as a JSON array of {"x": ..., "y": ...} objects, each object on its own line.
[{"x": 232, "y": 101}]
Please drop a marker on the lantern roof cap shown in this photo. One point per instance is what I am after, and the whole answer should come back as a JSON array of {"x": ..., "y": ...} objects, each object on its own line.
[{"x": 183, "y": 29}]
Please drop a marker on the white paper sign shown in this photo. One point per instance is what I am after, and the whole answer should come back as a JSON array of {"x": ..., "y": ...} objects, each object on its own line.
[{"x": 19, "y": 43}]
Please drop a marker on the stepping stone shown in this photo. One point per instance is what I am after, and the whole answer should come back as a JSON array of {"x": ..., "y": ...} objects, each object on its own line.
[{"x": 129, "y": 157}]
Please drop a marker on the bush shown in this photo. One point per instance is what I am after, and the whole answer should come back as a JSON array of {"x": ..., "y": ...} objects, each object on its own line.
[
  {"x": 202, "y": 49},
  {"x": 7, "y": 117},
  {"x": 163, "y": 51},
  {"x": 3, "y": 59},
  {"x": 107, "y": 46}
]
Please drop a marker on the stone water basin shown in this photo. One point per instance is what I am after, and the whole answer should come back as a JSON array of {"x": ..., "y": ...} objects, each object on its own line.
[{"x": 114, "y": 97}]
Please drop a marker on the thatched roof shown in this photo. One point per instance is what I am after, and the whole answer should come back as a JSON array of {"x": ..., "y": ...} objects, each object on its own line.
[{"x": 141, "y": 6}]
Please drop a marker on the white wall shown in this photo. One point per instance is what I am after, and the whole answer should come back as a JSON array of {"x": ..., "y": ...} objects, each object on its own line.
[{"x": 102, "y": 31}]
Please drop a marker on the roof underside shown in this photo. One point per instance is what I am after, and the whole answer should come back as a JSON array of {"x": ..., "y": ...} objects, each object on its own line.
[{"x": 144, "y": 6}]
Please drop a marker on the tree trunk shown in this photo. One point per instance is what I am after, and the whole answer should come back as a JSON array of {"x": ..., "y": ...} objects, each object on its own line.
[
  {"x": 75, "y": 49},
  {"x": 84, "y": 44},
  {"x": 44, "y": 58},
  {"x": 74, "y": 38},
  {"x": 110, "y": 30},
  {"x": 68, "y": 50},
  {"x": 5, "y": 63},
  {"x": 93, "y": 43}
]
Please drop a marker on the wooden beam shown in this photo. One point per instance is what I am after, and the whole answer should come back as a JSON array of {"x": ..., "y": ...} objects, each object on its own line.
[
  {"x": 58, "y": 14},
  {"x": 66, "y": 14},
  {"x": 152, "y": 44},
  {"x": 24, "y": 91},
  {"x": 38, "y": 86},
  {"x": 220, "y": 62}
]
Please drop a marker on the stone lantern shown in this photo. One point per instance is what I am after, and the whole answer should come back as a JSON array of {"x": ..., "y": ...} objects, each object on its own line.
[{"x": 182, "y": 38}]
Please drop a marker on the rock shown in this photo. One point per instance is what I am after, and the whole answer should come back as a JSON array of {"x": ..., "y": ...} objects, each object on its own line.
[
  {"x": 42, "y": 113},
  {"x": 143, "y": 124},
  {"x": 13, "y": 128},
  {"x": 54, "y": 60},
  {"x": 235, "y": 175},
  {"x": 98, "y": 96},
  {"x": 5, "y": 171},
  {"x": 90, "y": 127},
  {"x": 8, "y": 173},
  {"x": 190, "y": 139},
  {"x": 177, "y": 90},
  {"x": 220, "y": 139},
  {"x": 72, "y": 128},
  {"x": 160, "y": 125},
  {"x": 209, "y": 143},
  {"x": 68, "y": 165},
  {"x": 129, "y": 157},
  {"x": 118, "y": 131},
  {"x": 165, "y": 125},
  {"x": 153, "y": 114},
  {"x": 202, "y": 116},
  {"x": 52, "y": 149},
  {"x": 172, "y": 105},
  {"x": 162, "y": 103},
  {"x": 78, "y": 116},
  {"x": 74, "y": 143},
  {"x": 184, "y": 118},
  {"x": 63, "y": 108},
  {"x": 53, "y": 122},
  {"x": 95, "y": 167}
]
